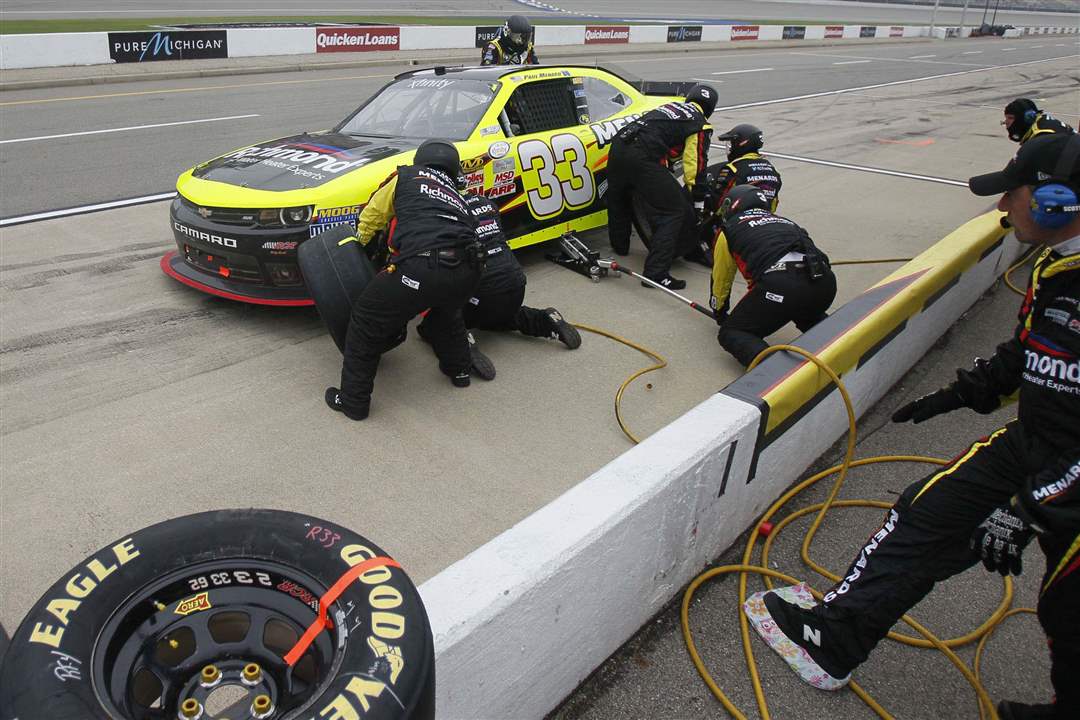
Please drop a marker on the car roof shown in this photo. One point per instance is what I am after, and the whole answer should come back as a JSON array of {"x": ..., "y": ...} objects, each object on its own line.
[{"x": 493, "y": 72}]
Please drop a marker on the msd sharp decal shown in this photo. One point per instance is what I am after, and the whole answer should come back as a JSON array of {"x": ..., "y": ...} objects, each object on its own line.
[
  {"x": 357, "y": 39},
  {"x": 125, "y": 47}
]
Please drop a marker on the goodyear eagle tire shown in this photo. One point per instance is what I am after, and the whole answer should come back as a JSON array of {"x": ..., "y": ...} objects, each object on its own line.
[
  {"x": 335, "y": 274},
  {"x": 180, "y": 611}
]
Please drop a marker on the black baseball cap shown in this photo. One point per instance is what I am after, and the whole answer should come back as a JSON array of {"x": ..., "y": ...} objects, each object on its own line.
[{"x": 1038, "y": 160}]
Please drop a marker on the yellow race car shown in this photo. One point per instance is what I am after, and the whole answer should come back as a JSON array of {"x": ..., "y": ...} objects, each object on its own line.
[{"x": 534, "y": 139}]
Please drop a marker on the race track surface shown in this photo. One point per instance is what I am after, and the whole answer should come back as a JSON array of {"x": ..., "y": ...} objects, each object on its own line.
[{"x": 128, "y": 399}]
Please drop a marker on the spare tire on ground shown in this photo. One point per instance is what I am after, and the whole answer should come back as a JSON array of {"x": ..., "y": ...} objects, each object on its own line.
[
  {"x": 335, "y": 270},
  {"x": 221, "y": 614}
]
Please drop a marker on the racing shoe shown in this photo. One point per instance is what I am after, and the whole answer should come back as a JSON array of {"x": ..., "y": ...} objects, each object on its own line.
[
  {"x": 563, "y": 331},
  {"x": 666, "y": 281},
  {"x": 1008, "y": 710},
  {"x": 482, "y": 367},
  {"x": 783, "y": 619},
  {"x": 459, "y": 379},
  {"x": 333, "y": 401}
]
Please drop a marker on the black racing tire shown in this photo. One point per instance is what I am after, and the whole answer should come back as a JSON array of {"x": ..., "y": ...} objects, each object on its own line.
[
  {"x": 335, "y": 275},
  {"x": 138, "y": 606}
]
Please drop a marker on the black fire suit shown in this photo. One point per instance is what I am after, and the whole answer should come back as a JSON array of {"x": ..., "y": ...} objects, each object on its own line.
[
  {"x": 501, "y": 52},
  {"x": 496, "y": 302},
  {"x": 637, "y": 165},
  {"x": 1032, "y": 464},
  {"x": 1045, "y": 124},
  {"x": 788, "y": 280},
  {"x": 434, "y": 263},
  {"x": 750, "y": 169}
]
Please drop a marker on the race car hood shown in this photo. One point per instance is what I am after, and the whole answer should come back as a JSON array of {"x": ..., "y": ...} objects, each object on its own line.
[{"x": 300, "y": 161}]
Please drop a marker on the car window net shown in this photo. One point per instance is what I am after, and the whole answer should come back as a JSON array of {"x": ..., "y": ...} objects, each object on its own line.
[{"x": 543, "y": 105}]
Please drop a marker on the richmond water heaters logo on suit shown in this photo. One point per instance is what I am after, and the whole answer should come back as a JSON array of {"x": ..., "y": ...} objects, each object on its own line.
[
  {"x": 357, "y": 39},
  {"x": 127, "y": 47}
]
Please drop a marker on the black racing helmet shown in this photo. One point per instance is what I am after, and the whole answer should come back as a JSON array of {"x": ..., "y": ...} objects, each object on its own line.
[
  {"x": 742, "y": 198},
  {"x": 742, "y": 139},
  {"x": 1023, "y": 113},
  {"x": 439, "y": 154},
  {"x": 704, "y": 96},
  {"x": 517, "y": 30}
]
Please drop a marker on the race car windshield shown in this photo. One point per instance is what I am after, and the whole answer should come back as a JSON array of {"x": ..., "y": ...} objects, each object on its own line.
[{"x": 423, "y": 107}]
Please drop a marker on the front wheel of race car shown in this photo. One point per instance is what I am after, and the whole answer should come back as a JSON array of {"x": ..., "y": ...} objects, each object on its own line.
[{"x": 217, "y": 615}]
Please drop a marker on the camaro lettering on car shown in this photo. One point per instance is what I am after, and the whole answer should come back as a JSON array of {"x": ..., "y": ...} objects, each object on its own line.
[
  {"x": 204, "y": 236},
  {"x": 317, "y": 160},
  {"x": 605, "y": 131}
]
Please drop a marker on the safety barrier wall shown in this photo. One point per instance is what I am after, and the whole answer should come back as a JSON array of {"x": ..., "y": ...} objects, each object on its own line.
[
  {"x": 63, "y": 49},
  {"x": 521, "y": 621}
]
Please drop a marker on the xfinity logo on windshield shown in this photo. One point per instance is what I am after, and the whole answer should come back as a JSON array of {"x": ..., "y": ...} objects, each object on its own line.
[{"x": 204, "y": 236}]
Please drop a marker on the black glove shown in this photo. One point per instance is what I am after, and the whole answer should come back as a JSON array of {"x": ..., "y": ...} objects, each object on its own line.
[
  {"x": 926, "y": 407},
  {"x": 1000, "y": 541}
]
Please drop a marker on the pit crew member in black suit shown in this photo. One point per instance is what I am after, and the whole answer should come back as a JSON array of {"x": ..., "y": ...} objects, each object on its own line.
[
  {"x": 788, "y": 278},
  {"x": 435, "y": 263},
  {"x": 1024, "y": 120},
  {"x": 637, "y": 165},
  {"x": 513, "y": 45},
  {"x": 1020, "y": 482}
]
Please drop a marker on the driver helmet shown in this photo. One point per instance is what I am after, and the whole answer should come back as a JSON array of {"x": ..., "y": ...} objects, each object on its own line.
[
  {"x": 743, "y": 139},
  {"x": 517, "y": 31},
  {"x": 1019, "y": 115},
  {"x": 704, "y": 96},
  {"x": 441, "y": 155},
  {"x": 741, "y": 198}
]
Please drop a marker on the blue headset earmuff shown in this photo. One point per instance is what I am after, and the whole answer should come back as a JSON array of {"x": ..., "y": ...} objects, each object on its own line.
[
  {"x": 1053, "y": 203},
  {"x": 1030, "y": 115}
]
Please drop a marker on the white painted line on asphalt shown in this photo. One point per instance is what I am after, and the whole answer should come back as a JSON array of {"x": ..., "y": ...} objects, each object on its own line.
[
  {"x": 708, "y": 80},
  {"x": 734, "y": 72},
  {"x": 1036, "y": 47},
  {"x": 865, "y": 168},
  {"x": 972, "y": 52},
  {"x": 1008, "y": 49},
  {"x": 125, "y": 129},
  {"x": 827, "y": 93},
  {"x": 82, "y": 210},
  {"x": 852, "y": 62},
  {"x": 919, "y": 57},
  {"x": 885, "y": 59}
]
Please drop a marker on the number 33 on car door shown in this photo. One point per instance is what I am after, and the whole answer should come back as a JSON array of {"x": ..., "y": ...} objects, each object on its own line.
[{"x": 555, "y": 176}]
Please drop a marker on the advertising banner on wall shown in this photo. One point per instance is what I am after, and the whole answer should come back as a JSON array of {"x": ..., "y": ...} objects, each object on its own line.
[
  {"x": 486, "y": 33},
  {"x": 896, "y": 31},
  {"x": 868, "y": 31},
  {"x": 834, "y": 31},
  {"x": 683, "y": 33},
  {"x": 125, "y": 47},
  {"x": 794, "y": 32},
  {"x": 607, "y": 34},
  {"x": 744, "y": 32},
  {"x": 363, "y": 39}
]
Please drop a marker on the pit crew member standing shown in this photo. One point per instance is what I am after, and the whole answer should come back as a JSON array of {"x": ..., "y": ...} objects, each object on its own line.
[
  {"x": 435, "y": 263},
  {"x": 1024, "y": 120},
  {"x": 1021, "y": 481},
  {"x": 788, "y": 278},
  {"x": 513, "y": 45},
  {"x": 637, "y": 165},
  {"x": 496, "y": 304},
  {"x": 746, "y": 166}
]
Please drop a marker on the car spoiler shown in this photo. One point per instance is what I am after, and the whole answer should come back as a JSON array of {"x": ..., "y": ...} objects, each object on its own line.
[{"x": 662, "y": 87}]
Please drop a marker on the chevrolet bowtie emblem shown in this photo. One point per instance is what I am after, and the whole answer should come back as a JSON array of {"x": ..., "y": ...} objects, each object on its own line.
[{"x": 205, "y": 212}]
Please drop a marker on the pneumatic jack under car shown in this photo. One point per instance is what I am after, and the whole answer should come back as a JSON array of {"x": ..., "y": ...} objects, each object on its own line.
[
  {"x": 576, "y": 255},
  {"x": 240, "y": 614}
]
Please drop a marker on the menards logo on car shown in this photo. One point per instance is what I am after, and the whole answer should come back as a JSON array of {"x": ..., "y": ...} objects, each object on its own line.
[
  {"x": 605, "y": 131},
  {"x": 357, "y": 39}
]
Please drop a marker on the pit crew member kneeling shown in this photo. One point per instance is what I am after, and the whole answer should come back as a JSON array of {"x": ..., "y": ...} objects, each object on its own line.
[
  {"x": 1021, "y": 481},
  {"x": 788, "y": 278},
  {"x": 496, "y": 304},
  {"x": 435, "y": 262}
]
